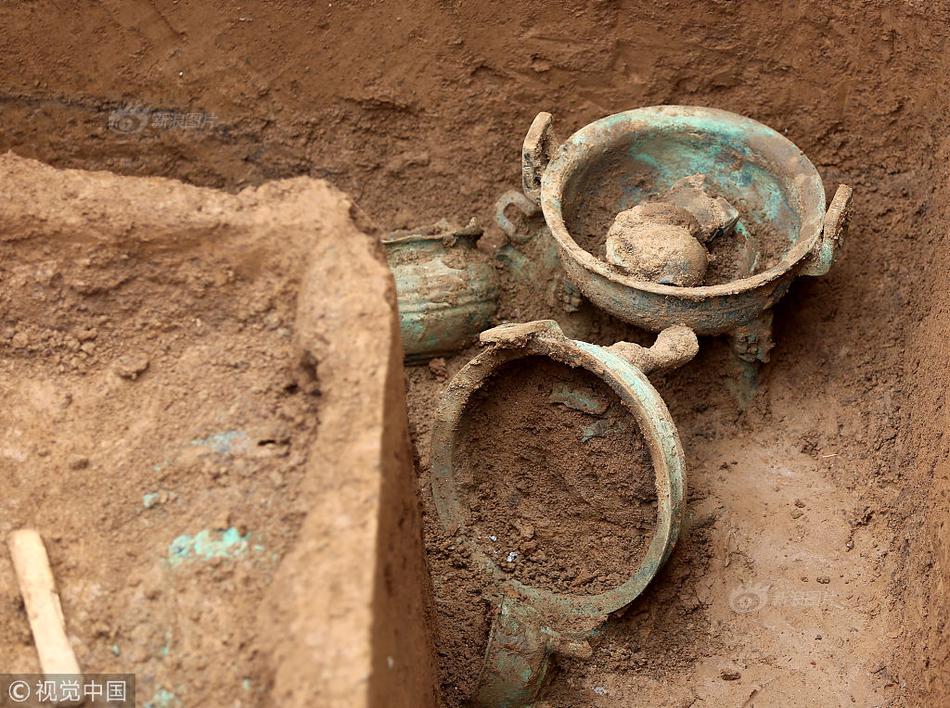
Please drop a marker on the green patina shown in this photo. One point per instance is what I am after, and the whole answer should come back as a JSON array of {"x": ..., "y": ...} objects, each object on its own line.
[
  {"x": 230, "y": 442},
  {"x": 638, "y": 154},
  {"x": 206, "y": 545},
  {"x": 594, "y": 430},
  {"x": 446, "y": 291},
  {"x": 520, "y": 644},
  {"x": 516, "y": 262},
  {"x": 578, "y": 398},
  {"x": 163, "y": 698},
  {"x": 729, "y": 167},
  {"x": 166, "y": 648}
]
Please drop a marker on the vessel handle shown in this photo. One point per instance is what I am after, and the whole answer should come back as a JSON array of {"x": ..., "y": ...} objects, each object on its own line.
[
  {"x": 536, "y": 152},
  {"x": 674, "y": 347},
  {"x": 526, "y": 206},
  {"x": 833, "y": 232}
]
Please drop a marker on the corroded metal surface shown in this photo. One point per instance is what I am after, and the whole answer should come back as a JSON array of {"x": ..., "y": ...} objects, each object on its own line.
[
  {"x": 531, "y": 256},
  {"x": 446, "y": 290},
  {"x": 525, "y": 205},
  {"x": 536, "y": 150},
  {"x": 650, "y": 148},
  {"x": 517, "y": 658},
  {"x": 834, "y": 231},
  {"x": 534, "y": 623}
]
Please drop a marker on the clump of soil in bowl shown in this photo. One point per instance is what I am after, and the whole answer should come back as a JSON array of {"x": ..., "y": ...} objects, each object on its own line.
[
  {"x": 592, "y": 210},
  {"x": 557, "y": 476}
]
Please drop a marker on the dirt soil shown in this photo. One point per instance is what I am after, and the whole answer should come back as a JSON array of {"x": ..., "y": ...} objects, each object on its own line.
[
  {"x": 590, "y": 212},
  {"x": 814, "y": 562},
  {"x": 557, "y": 478},
  {"x": 158, "y": 420}
]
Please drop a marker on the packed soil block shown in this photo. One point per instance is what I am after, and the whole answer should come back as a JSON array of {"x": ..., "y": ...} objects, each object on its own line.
[{"x": 182, "y": 368}]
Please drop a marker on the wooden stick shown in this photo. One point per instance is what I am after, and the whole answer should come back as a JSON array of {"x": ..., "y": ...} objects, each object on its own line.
[{"x": 42, "y": 603}]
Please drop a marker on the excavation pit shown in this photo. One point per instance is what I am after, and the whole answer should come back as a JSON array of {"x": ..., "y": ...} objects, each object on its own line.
[{"x": 819, "y": 509}]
